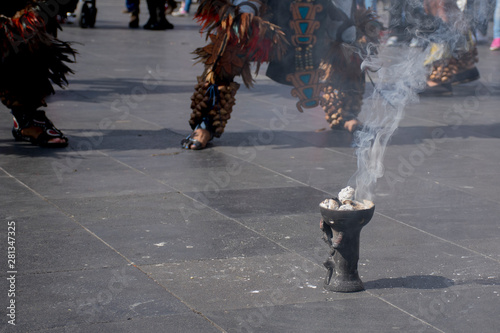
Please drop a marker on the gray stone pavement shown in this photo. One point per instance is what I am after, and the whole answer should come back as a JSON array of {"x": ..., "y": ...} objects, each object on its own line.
[{"x": 125, "y": 232}]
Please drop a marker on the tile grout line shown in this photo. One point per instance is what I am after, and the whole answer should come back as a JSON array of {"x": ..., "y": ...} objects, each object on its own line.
[
  {"x": 58, "y": 208},
  {"x": 301, "y": 140},
  {"x": 352, "y": 155},
  {"x": 130, "y": 262},
  {"x": 264, "y": 236},
  {"x": 304, "y": 184},
  {"x": 238, "y": 222},
  {"x": 400, "y": 222},
  {"x": 241, "y": 224},
  {"x": 406, "y": 312},
  {"x": 234, "y": 220},
  {"x": 440, "y": 238}
]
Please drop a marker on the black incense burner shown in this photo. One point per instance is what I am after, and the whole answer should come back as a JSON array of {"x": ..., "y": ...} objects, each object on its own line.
[{"x": 342, "y": 230}]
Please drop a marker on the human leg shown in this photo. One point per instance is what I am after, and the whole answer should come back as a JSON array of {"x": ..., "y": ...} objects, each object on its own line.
[
  {"x": 171, "y": 6},
  {"x": 28, "y": 72},
  {"x": 157, "y": 19},
  {"x": 483, "y": 17},
  {"x": 477, "y": 13},
  {"x": 187, "y": 6},
  {"x": 342, "y": 96},
  {"x": 344, "y": 80},
  {"x": 133, "y": 7},
  {"x": 495, "y": 45},
  {"x": 496, "y": 21},
  {"x": 452, "y": 59},
  {"x": 153, "y": 15},
  {"x": 184, "y": 10},
  {"x": 371, "y": 4},
  {"x": 180, "y": 12},
  {"x": 243, "y": 37},
  {"x": 163, "y": 23},
  {"x": 396, "y": 23},
  {"x": 212, "y": 105}
]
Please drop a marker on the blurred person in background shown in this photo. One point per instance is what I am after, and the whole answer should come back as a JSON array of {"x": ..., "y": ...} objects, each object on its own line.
[
  {"x": 170, "y": 6},
  {"x": 478, "y": 12},
  {"x": 157, "y": 16},
  {"x": 184, "y": 10},
  {"x": 133, "y": 8},
  {"x": 371, "y": 4},
  {"x": 495, "y": 45}
]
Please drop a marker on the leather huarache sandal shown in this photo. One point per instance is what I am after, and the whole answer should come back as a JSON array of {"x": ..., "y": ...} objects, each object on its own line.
[
  {"x": 443, "y": 89},
  {"x": 190, "y": 142},
  {"x": 38, "y": 129},
  {"x": 465, "y": 76}
]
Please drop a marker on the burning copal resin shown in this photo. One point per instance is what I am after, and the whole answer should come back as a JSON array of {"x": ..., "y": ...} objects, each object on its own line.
[
  {"x": 346, "y": 193},
  {"x": 345, "y": 201}
]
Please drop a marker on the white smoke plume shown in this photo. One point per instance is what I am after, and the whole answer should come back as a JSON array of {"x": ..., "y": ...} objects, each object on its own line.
[
  {"x": 396, "y": 86},
  {"x": 401, "y": 76}
]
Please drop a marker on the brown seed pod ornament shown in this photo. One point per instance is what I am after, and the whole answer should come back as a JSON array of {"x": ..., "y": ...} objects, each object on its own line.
[{"x": 214, "y": 102}]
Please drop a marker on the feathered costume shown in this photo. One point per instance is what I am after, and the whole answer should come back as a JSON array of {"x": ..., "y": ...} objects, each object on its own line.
[
  {"x": 31, "y": 61},
  {"x": 308, "y": 43}
]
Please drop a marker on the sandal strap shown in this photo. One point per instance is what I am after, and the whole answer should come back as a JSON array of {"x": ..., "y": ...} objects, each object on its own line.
[
  {"x": 49, "y": 134},
  {"x": 206, "y": 124},
  {"x": 23, "y": 120},
  {"x": 189, "y": 142}
]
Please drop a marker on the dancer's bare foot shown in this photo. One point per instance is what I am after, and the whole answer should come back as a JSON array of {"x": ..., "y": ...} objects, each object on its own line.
[
  {"x": 431, "y": 83},
  {"x": 197, "y": 140},
  {"x": 352, "y": 125}
]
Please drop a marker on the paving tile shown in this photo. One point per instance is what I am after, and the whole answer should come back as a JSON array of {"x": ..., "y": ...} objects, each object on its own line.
[
  {"x": 415, "y": 192},
  {"x": 347, "y": 315},
  {"x": 453, "y": 310},
  {"x": 211, "y": 171},
  {"x": 83, "y": 176},
  {"x": 90, "y": 296},
  {"x": 273, "y": 201},
  {"x": 448, "y": 217},
  {"x": 452, "y": 223},
  {"x": 179, "y": 241},
  {"x": 426, "y": 267},
  {"x": 299, "y": 233},
  {"x": 245, "y": 282},
  {"x": 182, "y": 323},
  {"x": 136, "y": 209},
  {"x": 62, "y": 245},
  {"x": 329, "y": 170},
  {"x": 487, "y": 246}
]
